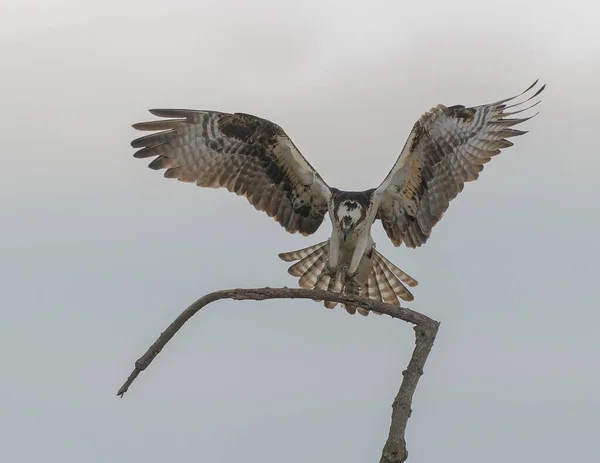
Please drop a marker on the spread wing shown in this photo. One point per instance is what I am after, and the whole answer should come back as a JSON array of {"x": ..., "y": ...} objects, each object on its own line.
[
  {"x": 249, "y": 156},
  {"x": 447, "y": 147}
]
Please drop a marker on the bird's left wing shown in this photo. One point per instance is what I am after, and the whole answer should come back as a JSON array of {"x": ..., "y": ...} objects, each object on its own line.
[
  {"x": 446, "y": 148},
  {"x": 249, "y": 156}
]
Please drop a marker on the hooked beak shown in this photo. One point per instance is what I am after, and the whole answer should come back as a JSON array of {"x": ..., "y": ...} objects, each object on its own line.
[{"x": 345, "y": 234}]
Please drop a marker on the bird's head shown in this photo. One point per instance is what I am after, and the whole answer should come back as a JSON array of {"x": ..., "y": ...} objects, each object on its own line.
[{"x": 348, "y": 213}]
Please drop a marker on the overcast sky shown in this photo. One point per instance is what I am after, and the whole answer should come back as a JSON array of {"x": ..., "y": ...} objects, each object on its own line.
[{"x": 99, "y": 253}]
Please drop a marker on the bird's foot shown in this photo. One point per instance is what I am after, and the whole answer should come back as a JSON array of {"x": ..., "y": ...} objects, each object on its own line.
[
  {"x": 327, "y": 271},
  {"x": 352, "y": 285}
]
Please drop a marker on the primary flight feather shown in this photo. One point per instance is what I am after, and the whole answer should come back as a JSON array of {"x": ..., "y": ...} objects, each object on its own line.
[{"x": 254, "y": 157}]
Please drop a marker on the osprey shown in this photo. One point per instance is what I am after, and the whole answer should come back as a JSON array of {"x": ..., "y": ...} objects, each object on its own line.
[{"x": 254, "y": 157}]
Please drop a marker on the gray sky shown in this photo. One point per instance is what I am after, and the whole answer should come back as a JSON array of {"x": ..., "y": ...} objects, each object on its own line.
[{"x": 98, "y": 253}]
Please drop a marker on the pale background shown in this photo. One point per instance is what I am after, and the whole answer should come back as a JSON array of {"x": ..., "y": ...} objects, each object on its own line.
[{"x": 98, "y": 253}]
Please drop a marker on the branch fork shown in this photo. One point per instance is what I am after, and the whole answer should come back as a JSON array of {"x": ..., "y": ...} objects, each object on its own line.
[{"x": 425, "y": 328}]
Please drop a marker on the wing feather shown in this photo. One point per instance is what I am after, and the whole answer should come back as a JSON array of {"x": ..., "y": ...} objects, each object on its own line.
[
  {"x": 248, "y": 155},
  {"x": 446, "y": 148}
]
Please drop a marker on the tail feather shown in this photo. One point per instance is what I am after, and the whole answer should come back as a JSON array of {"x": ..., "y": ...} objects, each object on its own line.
[
  {"x": 384, "y": 283},
  {"x": 387, "y": 292},
  {"x": 364, "y": 292},
  {"x": 351, "y": 309},
  {"x": 352, "y": 290},
  {"x": 397, "y": 287},
  {"x": 323, "y": 283},
  {"x": 355, "y": 290},
  {"x": 370, "y": 290},
  {"x": 310, "y": 277},
  {"x": 406, "y": 278},
  {"x": 301, "y": 253},
  {"x": 374, "y": 292},
  {"x": 301, "y": 267}
]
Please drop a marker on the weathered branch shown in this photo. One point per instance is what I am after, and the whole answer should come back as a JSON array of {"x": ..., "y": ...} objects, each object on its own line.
[
  {"x": 426, "y": 328},
  {"x": 394, "y": 450}
]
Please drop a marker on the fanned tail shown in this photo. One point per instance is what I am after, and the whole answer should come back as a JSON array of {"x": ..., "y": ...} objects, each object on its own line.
[
  {"x": 385, "y": 283},
  {"x": 311, "y": 261},
  {"x": 301, "y": 253},
  {"x": 388, "y": 277},
  {"x": 406, "y": 278}
]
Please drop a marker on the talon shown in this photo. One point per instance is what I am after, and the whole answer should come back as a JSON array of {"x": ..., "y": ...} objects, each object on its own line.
[
  {"x": 327, "y": 272},
  {"x": 352, "y": 286}
]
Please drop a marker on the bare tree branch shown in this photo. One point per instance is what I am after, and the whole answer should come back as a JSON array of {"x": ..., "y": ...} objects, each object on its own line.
[
  {"x": 394, "y": 450},
  {"x": 426, "y": 329}
]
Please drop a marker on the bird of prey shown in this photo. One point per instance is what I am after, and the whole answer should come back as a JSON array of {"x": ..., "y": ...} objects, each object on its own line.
[{"x": 255, "y": 158}]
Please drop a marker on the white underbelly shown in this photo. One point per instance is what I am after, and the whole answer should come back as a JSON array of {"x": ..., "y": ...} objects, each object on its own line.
[{"x": 366, "y": 263}]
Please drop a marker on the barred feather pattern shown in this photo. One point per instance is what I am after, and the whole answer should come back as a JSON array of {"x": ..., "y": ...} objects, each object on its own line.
[
  {"x": 247, "y": 155},
  {"x": 397, "y": 288},
  {"x": 386, "y": 282},
  {"x": 387, "y": 291},
  {"x": 301, "y": 253},
  {"x": 446, "y": 148}
]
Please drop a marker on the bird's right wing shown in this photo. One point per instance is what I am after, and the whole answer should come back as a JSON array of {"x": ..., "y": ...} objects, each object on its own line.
[{"x": 249, "y": 156}]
